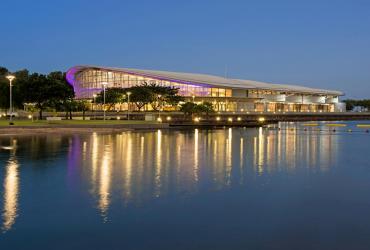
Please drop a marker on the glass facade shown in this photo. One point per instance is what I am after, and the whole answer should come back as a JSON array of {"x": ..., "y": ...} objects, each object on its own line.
[{"x": 89, "y": 82}]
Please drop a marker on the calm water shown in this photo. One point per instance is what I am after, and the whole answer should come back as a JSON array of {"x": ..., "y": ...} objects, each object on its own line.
[{"x": 187, "y": 189}]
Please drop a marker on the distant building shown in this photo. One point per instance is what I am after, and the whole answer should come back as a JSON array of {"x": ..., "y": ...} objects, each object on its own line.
[
  {"x": 225, "y": 94},
  {"x": 359, "y": 109}
]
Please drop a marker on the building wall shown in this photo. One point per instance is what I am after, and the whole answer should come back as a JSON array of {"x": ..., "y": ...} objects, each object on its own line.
[
  {"x": 89, "y": 82},
  {"x": 334, "y": 99},
  {"x": 239, "y": 93},
  {"x": 340, "y": 107}
]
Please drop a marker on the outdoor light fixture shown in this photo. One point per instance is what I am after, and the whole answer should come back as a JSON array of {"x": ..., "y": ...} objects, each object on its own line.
[
  {"x": 239, "y": 119},
  {"x": 230, "y": 119},
  {"x": 10, "y": 78},
  {"x": 196, "y": 119},
  {"x": 159, "y": 119},
  {"x": 118, "y": 118},
  {"x": 128, "y": 105},
  {"x": 159, "y": 105},
  {"x": 93, "y": 104},
  {"x": 261, "y": 119},
  {"x": 168, "y": 118},
  {"x": 218, "y": 118},
  {"x": 29, "y": 116},
  {"x": 104, "y": 86}
]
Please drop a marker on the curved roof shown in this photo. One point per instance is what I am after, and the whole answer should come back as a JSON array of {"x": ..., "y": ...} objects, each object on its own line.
[{"x": 203, "y": 79}]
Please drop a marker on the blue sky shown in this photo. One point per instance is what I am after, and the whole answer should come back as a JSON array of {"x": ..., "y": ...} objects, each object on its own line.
[{"x": 322, "y": 44}]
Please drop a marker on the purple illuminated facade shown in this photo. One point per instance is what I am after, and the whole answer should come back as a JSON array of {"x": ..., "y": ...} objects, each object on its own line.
[{"x": 88, "y": 81}]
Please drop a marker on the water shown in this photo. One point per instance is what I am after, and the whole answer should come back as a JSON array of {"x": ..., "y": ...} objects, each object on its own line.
[{"x": 187, "y": 189}]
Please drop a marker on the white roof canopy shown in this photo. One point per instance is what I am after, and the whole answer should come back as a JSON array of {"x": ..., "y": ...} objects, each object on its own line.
[{"x": 211, "y": 80}]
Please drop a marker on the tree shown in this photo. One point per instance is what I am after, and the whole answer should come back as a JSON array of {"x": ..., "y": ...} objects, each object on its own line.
[
  {"x": 163, "y": 95},
  {"x": 188, "y": 108},
  {"x": 21, "y": 79},
  {"x": 18, "y": 83},
  {"x": 47, "y": 91},
  {"x": 350, "y": 103},
  {"x": 112, "y": 96},
  {"x": 68, "y": 106},
  {"x": 140, "y": 95},
  {"x": 38, "y": 91},
  {"x": 4, "y": 88},
  {"x": 82, "y": 105},
  {"x": 64, "y": 96},
  {"x": 204, "y": 108}
]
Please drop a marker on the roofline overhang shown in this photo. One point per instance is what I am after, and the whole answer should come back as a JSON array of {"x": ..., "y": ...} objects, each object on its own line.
[{"x": 70, "y": 76}]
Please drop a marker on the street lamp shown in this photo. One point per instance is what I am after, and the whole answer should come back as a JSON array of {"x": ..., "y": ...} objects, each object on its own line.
[
  {"x": 123, "y": 98},
  {"x": 93, "y": 106},
  {"x": 159, "y": 107},
  {"x": 104, "y": 86},
  {"x": 10, "y": 78},
  {"x": 128, "y": 105}
]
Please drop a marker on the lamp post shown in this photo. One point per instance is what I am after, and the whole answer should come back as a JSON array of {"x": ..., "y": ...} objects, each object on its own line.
[
  {"x": 10, "y": 78},
  {"x": 93, "y": 107},
  {"x": 159, "y": 107},
  {"x": 128, "y": 105},
  {"x": 104, "y": 86},
  {"x": 123, "y": 98}
]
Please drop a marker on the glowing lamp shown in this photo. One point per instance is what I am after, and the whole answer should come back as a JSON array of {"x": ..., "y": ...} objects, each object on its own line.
[{"x": 10, "y": 77}]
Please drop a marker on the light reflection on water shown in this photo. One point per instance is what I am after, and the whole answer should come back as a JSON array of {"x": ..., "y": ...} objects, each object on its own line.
[
  {"x": 11, "y": 190},
  {"x": 146, "y": 165},
  {"x": 134, "y": 168}
]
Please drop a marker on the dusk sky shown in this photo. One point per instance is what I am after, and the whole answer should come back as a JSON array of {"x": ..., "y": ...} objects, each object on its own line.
[{"x": 323, "y": 44}]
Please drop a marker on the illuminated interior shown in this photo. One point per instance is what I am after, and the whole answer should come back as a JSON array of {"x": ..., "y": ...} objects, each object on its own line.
[{"x": 225, "y": 94}]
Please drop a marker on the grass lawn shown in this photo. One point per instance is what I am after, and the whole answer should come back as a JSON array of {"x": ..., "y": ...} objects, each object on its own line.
[{"x": 5, "y": 123}]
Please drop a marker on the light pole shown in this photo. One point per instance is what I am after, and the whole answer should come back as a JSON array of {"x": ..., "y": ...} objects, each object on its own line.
[
  {"x": 128, "y": 105},
  {"x": 93, "y": 107},
  {"x": 104, "y": 86},
  {"x": 123, "y": 98},
  {"x": 159, "y": 107},
  {"x": 10, "y": 78}
]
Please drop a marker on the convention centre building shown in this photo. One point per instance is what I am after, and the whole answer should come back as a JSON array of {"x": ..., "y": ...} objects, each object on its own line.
[{"x": 226, "y": 94}]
